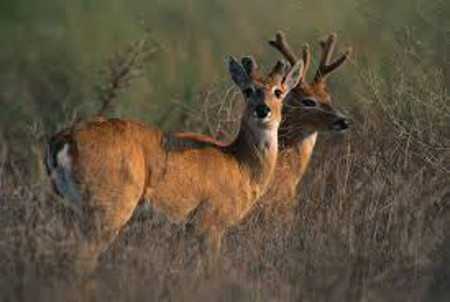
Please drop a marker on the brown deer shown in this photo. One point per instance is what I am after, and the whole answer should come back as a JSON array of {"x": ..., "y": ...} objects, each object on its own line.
[
  {"x": 104, "y": 167},
  {"x": 307, "y": 110}
]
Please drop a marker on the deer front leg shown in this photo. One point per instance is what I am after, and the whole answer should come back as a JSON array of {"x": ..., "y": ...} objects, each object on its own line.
[
  {"x": 201, "y": 243},
  {"x": 210, "y": 243}
]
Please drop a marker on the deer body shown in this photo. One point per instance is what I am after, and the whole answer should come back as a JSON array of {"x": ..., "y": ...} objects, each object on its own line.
[
  {"x": 127, "y": 161},
  {"x": 229, "y": 179},
  {"x": 106, "y": 166}
]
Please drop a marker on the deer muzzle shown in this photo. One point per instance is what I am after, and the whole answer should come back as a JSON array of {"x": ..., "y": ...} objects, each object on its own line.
[
  {"x": 261, "y": 111},
  {"x": 339, "y": 124}
]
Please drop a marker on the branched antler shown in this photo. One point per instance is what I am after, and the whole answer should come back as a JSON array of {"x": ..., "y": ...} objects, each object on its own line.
[
  {"x": 325, "y": 67},
  {"x": 281, "y": 44},
  {"x": 122, "y": 68}
]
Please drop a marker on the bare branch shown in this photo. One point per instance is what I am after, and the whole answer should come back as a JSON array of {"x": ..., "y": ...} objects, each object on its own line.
[{"x": 122, "y": 68}]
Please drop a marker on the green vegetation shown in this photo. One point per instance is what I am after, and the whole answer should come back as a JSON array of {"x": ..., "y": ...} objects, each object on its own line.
[{"x": 51, "y": 55}]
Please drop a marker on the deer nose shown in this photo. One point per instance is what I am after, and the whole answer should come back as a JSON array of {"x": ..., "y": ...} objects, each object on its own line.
[
  {"x": 262, "y": 111},
  {"x": 340, "y": 124}
]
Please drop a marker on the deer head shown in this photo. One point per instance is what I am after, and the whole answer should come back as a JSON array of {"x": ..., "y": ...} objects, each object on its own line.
[
  {"x": 264, "y": 96},
  {"x": 308, "y": 107}
]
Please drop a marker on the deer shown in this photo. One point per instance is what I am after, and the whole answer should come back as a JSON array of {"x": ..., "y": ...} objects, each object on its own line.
[
  {"x": 307, "y": 110},
  {"x": 104, "y": 167}
]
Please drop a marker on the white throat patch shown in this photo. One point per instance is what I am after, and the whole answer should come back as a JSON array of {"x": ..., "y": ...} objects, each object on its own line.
[{"x": 268, "y": 139}]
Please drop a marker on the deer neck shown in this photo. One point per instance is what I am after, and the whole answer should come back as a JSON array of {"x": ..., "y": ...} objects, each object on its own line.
[
  {"x": 256, "y": 150},
  {"x": 295, "y": 154}
]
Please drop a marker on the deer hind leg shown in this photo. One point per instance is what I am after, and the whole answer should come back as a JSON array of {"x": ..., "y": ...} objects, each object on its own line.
[
  {"x": 87, "y": 262},
  {"x": 100, "y": 225},
  {"x": 96, "y": 237}
]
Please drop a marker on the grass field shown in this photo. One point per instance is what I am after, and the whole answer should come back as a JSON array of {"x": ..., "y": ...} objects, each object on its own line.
[{"x": 373, "y": 211}]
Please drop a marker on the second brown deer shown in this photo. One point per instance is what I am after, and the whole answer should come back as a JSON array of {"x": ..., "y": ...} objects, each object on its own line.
[{"x": 307, "y": 110}]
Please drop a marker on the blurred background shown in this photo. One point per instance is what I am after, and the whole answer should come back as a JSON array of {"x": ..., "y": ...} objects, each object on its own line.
[
  {"x": 379, "y": 239},
  {"x": 52, "y": 54}
]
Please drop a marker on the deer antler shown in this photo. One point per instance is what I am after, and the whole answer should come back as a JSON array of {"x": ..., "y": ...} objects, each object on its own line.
[
  {"x": 278, "y": 70},
  {"x": 306, "y": 59},
  {"x": 281, "y": 44},
  {"x": 325, "y": 67}
]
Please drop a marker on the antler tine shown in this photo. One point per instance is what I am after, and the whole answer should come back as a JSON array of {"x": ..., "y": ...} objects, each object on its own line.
[
  {"x": 325, "y": 67},
  {"x": 328, "y": 46},
  {"x": 306, "y": 59},
  {"x": 278, "y": 70},
  {"x": 250, "y": 66},
  {"x": 281, "y": 44},
  {"x": 339, "y": 61}
]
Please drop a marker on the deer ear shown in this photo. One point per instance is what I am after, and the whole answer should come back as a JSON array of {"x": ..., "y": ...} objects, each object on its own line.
[
  {"x": 294, "y": 75},
  {"x": 250, "y": 66},
  {"x": 238, "y": 74}
]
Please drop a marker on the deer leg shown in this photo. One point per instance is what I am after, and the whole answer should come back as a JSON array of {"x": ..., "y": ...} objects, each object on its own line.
[
  {"x": 100, "y": 225},
  {"x": 179, "y": 243},
  {"x": 210, "y": 244},
  {"x": 96, "y": 237}
]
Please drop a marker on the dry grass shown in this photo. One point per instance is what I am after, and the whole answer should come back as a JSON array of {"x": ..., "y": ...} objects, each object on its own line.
[{"x": 372, "y": 214}]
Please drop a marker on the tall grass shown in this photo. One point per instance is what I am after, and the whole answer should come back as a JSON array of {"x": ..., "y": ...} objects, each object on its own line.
[{"x": 373, "y": 209}]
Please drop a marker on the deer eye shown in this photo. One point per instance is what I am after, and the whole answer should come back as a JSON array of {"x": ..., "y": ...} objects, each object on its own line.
[
  {"x": 278, "y": 93},
  {"x": 309, "y": 103},
  {"x": 248, "y": 92}
]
